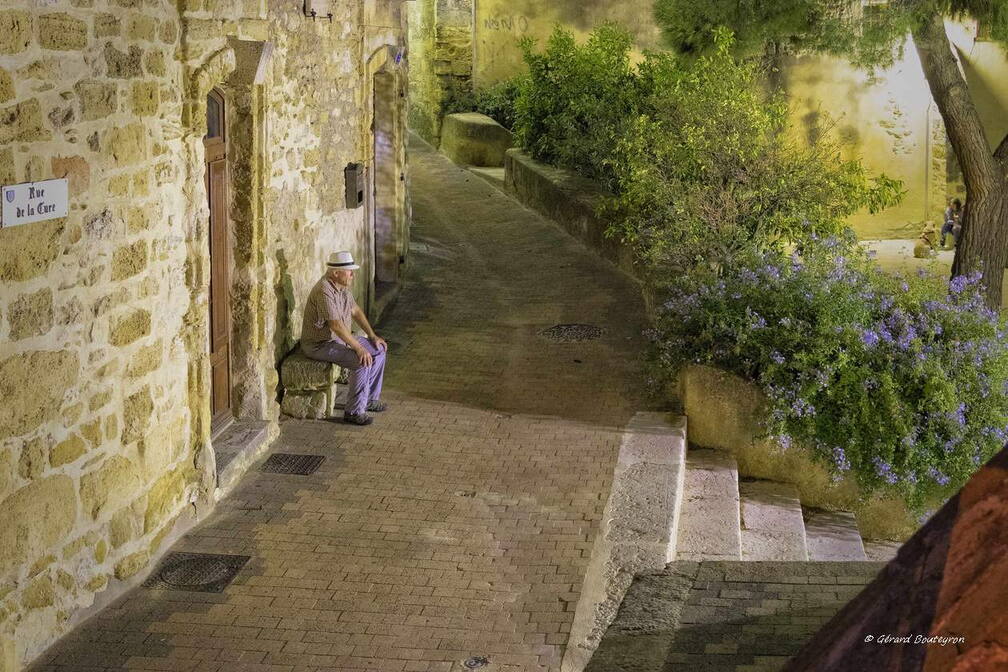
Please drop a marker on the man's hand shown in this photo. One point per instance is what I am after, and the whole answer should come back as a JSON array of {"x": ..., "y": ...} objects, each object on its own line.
[
  {"x": 363, "y": 355},
  {"x": 380, "y": 343}
]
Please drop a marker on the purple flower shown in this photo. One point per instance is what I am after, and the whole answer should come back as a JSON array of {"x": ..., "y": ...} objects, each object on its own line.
[
  {"x": 884, "y": 470},
  {"x": 870, "y": 338},
  {"x": 937, "y": 476},
  {"x": 840, "y": 459},
  {"x": 802, "y": 409},
  {"x": 958, "y": 284},
  {"x": 776, "y": 357}
]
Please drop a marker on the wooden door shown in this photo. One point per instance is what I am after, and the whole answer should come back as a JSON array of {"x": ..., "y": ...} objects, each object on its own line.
[{"x": 215, "y": 145}]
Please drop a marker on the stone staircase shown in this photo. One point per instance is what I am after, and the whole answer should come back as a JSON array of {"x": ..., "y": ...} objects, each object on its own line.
[
  {"x": 724, "y": 517},
  {"x": 754, "y": 575}
]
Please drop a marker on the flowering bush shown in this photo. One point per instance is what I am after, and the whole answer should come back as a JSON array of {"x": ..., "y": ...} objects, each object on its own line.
[{"x": 900, "y": 381}]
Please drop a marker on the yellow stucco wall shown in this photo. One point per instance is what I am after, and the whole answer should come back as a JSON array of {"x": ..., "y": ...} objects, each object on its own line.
[
  {"x": 501, "y": 23},
  {"x": 888, "y": 120}
]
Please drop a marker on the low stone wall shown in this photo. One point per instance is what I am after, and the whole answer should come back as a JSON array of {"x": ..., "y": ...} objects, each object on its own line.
[
  {"x": 724, "y": 412},
  {"x": 569, "y": 200},
  {"x": 474, "y": 139}
]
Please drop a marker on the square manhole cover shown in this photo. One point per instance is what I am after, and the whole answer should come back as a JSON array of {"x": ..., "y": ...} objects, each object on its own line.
[
  {"x": 572, "y": 333},
  {"x": 288, "y": 463},
  {"x": 196, "y": 572}
]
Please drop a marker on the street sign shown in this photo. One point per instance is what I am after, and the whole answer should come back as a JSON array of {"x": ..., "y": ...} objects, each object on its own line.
[{"x": 34, "y": 202}]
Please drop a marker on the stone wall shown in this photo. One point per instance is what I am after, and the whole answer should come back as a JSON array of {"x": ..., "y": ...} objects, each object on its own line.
[
  {"x": 424, "y": 85},
  {"x": 441, "y": 58},
  {"x": 105, "y": 447}
]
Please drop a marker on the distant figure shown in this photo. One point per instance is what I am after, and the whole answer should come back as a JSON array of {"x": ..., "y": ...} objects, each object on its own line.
[
  {"x": 953, "y": 222},
  {"x": 925, "y": 245},
  {"x": 326, "y": 336}
]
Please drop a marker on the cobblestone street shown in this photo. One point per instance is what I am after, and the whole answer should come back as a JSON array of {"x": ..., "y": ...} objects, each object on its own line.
[{"x": 460, "y": 523}]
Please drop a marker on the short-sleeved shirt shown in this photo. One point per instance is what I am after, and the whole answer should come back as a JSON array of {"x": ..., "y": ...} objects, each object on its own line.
[{"x": 326, "y": 301}]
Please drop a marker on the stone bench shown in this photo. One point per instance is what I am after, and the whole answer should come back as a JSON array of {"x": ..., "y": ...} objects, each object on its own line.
[
  {"x": 474, "y": 139},
  {"x": 310, "y": 386}
]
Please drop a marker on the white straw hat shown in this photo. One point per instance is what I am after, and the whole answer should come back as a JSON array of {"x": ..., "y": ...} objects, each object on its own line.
[{"x": 342, "y": 261}]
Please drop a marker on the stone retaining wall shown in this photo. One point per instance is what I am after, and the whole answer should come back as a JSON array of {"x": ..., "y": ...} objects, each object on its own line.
[
  {"x": 724, "y": 412},
  {"x": 474, "y": 139},
  {"x": 568, "y": 199}
]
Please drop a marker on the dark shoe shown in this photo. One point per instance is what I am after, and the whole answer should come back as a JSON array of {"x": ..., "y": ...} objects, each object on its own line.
[
  {"x": 376, "y": 406},
  {"x": 357, "y": 419}
]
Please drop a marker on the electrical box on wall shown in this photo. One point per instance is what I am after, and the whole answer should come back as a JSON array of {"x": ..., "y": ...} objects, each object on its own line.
[{"x": 353, "y": 175}]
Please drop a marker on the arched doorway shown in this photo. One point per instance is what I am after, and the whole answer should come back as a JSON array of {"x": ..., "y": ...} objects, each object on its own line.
[
  {"x": 215, "y": 146},
  {"x": 385, "y": 160}
]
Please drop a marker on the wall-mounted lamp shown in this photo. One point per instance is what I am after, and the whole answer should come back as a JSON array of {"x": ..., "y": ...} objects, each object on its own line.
[{"x": 318, "y": 9}]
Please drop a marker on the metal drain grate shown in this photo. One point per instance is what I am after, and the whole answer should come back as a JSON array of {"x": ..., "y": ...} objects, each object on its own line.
[
  {"x": 197, "y": 572},
  {"x": 572, "y": 333},
  {"x": 288, "y": 463},
  {"x": 476, "y": 662}
]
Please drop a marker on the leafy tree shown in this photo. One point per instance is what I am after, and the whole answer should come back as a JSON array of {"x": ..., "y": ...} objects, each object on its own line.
[{"x": 867, "y": 38}]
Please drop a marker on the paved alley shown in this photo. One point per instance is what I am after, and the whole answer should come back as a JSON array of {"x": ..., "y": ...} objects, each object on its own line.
[{"x": 460, "y": 523}]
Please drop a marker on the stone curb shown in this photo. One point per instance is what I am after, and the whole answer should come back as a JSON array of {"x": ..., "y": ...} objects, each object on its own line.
[{"x": 638, "y": 530}]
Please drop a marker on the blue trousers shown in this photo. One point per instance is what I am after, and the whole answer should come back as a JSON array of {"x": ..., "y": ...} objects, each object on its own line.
[{"x": 364, "y": 382}]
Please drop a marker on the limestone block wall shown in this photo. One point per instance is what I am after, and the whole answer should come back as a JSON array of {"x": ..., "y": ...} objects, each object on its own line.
[
  {"x": 888, "y": 120},
  {"x": 105, "y": 447},
  {"x": 95, "y": 461},
  {"x": 499, "y": 24},
  {"x": 441, "y": 56},
  {"x": 424, "y": 85}
]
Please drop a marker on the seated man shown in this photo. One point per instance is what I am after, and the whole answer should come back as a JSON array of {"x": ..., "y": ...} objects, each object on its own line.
[
  {"x": 325, "y": 335},
  {"x": 953, "y": 221}
]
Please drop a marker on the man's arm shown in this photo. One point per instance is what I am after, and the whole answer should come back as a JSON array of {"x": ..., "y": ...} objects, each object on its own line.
[
  {"x": 344, "y": 333},
  {"x": 360, "y": 318}
]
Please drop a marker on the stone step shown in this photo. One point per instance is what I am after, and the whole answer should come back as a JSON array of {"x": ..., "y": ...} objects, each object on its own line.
[
  {"x": 235, "y": 449},
  {"x": 832, "y": 535},
  {"x": 772, "y": 524},
  {"x": 709, "y": 526},
  {"x": 883, "y": 551},
  {"x": 495, "y": 176}
]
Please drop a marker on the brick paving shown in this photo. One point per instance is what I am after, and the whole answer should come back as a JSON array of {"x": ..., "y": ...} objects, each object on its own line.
[
  {"x": 721, "y": 616},
  {"x": 459, "y": 524}
]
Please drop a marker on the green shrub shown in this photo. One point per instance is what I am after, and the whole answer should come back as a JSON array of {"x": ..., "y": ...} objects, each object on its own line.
[
  {"x": 700, "y": 162},
  {"x": 457, "y": 95},
  {"x": 578, "y": 101},
  {"x": 499, "y": 101},
  {"x": 712, "y": 170},
  {"x": 898, "y": 380}
]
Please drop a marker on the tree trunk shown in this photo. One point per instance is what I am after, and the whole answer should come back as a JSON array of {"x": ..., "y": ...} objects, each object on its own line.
[{"x": 983, "y": 243}]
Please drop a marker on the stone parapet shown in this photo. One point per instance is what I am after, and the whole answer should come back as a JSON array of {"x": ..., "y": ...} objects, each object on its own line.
[
  {"x": 568, "y": 199},
  {"x": 474, "y": 139}
]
